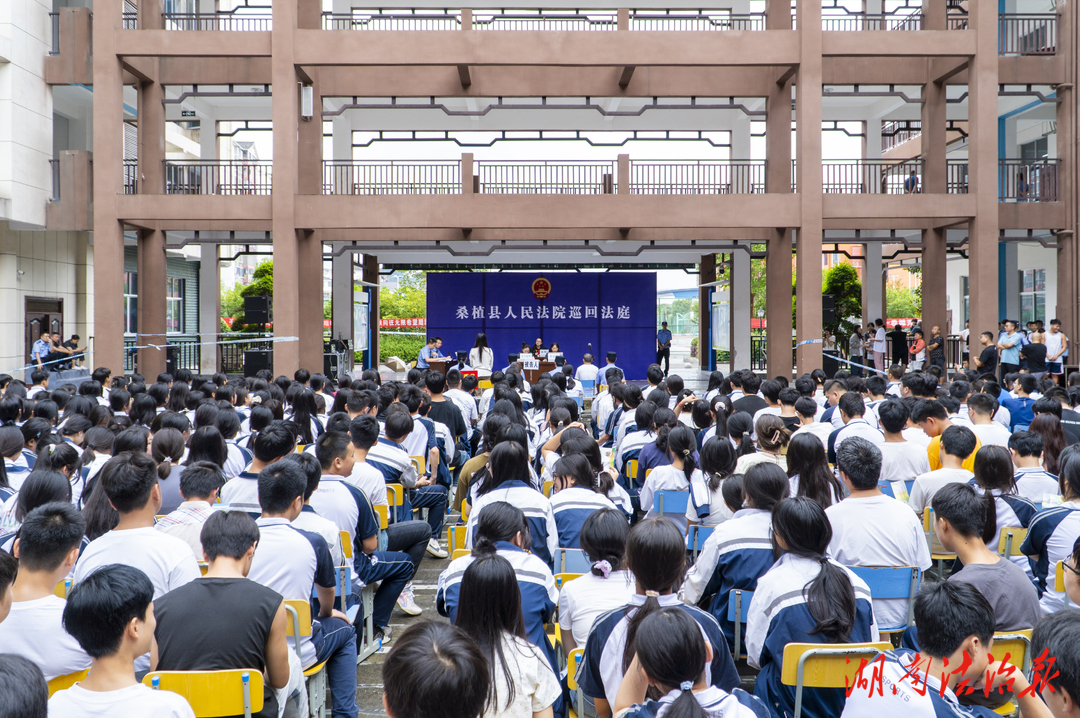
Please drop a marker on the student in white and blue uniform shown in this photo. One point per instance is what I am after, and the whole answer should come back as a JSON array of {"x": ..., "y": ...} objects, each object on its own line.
[
  {"x": 388, "y": 457},
  {"x": 578, "y": 493},
  {"x": 994, "y": 473},
  {"x": 638, "y": 435},
  {"x": 1051, "y": 535},
  {"x": 672, "y": 654},
  {"x": 237, "y": 457},
  {"x": 655, "y": 554},
  {"x": 961, "y": 623},
  {"x": 1032, "y": 480},
  {"x": 804, "y": 598},
  {"x": 502, "y": 529},
  {"x": 740, "y": 550},
  {"x": 11, "y": 443},
  {"x": 679, "y": 475},
  {"x": 508, "y": 479},
  {"x": 272, "y": 443}
]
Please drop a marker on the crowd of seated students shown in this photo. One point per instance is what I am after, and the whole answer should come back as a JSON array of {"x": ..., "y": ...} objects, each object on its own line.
[{"x": 118, "y": 490}]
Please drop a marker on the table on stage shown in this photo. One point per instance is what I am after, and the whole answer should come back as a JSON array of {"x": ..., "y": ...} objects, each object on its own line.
[
  {"x": 533, "y": 375},
  {"x": 442, "y": 364}
]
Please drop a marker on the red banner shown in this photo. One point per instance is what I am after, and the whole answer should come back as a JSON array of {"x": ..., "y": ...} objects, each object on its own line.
[{"x": 412, "y": 322}]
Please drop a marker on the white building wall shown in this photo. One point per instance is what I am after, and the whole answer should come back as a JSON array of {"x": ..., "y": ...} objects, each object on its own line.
[{"x": 1030, "y": 255}]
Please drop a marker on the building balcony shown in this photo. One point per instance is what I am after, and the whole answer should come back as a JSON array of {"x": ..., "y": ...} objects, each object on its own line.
[
  {"x": 219, "y": 177},
  {"x": 72, "y": 205},
  {"x": 70, "y": 60}
]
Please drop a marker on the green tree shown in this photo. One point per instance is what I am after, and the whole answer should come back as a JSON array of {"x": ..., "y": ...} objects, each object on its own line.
[
  {"x": 262, "y": 284},
  {"x": 409, "y": 300},
  {"x": 232, "y": 304},
  {"x": 901, "y": 302},
  {"x": 842, "y": 282}
]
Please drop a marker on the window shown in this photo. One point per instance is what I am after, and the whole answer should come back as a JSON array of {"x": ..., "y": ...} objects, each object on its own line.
[
  {"x": 1036, "y": 150},
  {"x": 131, "y": 302},
  {"x": 964, "y": 300},
  {"x": 174, "y": 307},
  {"x": 1032, "y": 295}
]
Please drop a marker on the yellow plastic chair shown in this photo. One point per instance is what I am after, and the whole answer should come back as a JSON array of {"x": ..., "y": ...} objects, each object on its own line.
[
  {"x": 573, "y": 661},
  {"x": 456, "y": 537},
  {"x": 67, "y": 681},
  {"x": 563, "y": 578},
  {"x": 62, "y": 588},
  {"x": 824, "y": 665},
  {"x": 395, "y": 497},
  {"x": 548, "y": 487},
  {"x": 1009, "y": 541},
  {"x": 212, "y": 694},
  {"x": 632, "y": 469},
  {"x": 203, "y": 567},
  {"x": 367, "y": 644},
  {"x": 939, "y": 557},
  {"x": 420, "y": 463},
  {"x": 299, "y": 624},
  {"x": 484, "y": 384},
  {"x": 1017, "y": 646},
  {"x": 1059, "y": 580},
  {"x": 647, "y": 472},
  {"x": 458, "y": 553}
]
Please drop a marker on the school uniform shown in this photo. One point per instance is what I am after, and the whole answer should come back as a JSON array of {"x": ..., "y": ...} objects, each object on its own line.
[
  {"x": 736, "y": 554},
  {"x": 589, "y": 596},
  {"x": 632, "y": 445},
  {"x": 35, "y": 630},
  {"x": 832, "y": 416},
  {"x": 651, "y": 457},
  {"x": 1013, "y": 511},
  {"x": 309, "y": 520},
  {"x": 926, "y": 485},
  {"x": 242, "y": 493},
  {"x": 397, "y": 468},
  {"x": 1051, "y": 535},
  {"x": 1036, "y": 484},
  {"x": 130, "y": 702},
  {"x": 601, "y": 671},
  {"x": 16, "y": 474},
  {"x": 237, "y": 459},
  {"x": 537, "y": 510},
  {"x": 715, "y": 702},
  {"x": 571, "y": 507},
  {"x": 779, "y": 614},
  {"x": 857, "y": 426},
  {"x": 822, "y": 430},
  {"x": 627, "y": 423},
  {"x": 666, "y": 478}
]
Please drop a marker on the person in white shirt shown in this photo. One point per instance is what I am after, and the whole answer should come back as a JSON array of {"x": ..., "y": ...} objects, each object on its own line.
[
  {"x": 40, "y": 379},
  {"x": 770, "y": 392},
  {"x": 901, "y": 460},
  {"x": 481, "y": 356},
  {"x": 463, "y": 400},
  {"x": 852, "y": 410},
  {"x": 872, "y": 529},
  {"x": 586, "y": 371},
  {"x": 1033, "y": 482},
  {"x": 9, "y": 567},
  {"x": 270, "y": 445},
  {"x": 309, "y": 520},
  {"x": 364, "y": 431},
  {"x": 111, "y": 615},
  {"x": 957, "y": 443},
  {"x": 47, "y": 548},
  {"x": 879, "y": 345},
  {"x": 981, "y": 408},
  {"x": 806, "y": 409},
  {"x": 199, "y": 484},
  {"x": 679, "y": 475}
]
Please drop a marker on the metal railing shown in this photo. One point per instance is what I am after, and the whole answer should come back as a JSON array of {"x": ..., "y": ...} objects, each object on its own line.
[
  {"x": 546, "y": 20},
  {"x": 223, "y": 177},
  {"x": 956, "y": 176},
  {"x": 179, "y": 354},
  {"x": 860, "y": 21},
  {"x": 897, "y": 132},
  {"x": 543, "y": 177},
  {"x": 54, "y": 169},
  {"x": 407, "y": 19},
  {"x": 54, "y": 23},
  {"x": 679, "y": 20},
  {"x": 131, "y": 20},
  {"x": 697, "y": 177},
  {"x": 131, "y": 176},
  {"x": 759, "y": 360},
  {"x": 228, "y": 21},
  {"x": 231, "y": 356},
  {"x": 1028, "y": 180},
  {"x": 1035, "y": 34},
  {"x": 869, "y": 176},
  {"x": 368, "y": 177}
]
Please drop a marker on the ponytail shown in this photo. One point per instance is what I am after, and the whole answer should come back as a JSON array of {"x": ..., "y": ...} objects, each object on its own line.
[
  {"x": 603, "y": 539},
  {"x": 664, "y": 420},
  {"x": 167, "y": 448},
  {"x": 164, "y": 468},
  {"x": 656, "y": 555},
  {"x": 740, "y": 425},
  {"x": 681, "y": 444},
  {"x": 989, "y": 532},
  {"x": 671, "y": 652},
  {"x": 499, "y": 521}
]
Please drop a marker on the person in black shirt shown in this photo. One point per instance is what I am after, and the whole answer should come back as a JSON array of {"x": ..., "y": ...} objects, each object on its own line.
[
  {"x": 442, "y": 409},
  {"x": 899, "y": 344},
  {"x": 987, "y": 360},
  {"x": 751, "y": 403},
  {"x": 1035, "y": 353}
]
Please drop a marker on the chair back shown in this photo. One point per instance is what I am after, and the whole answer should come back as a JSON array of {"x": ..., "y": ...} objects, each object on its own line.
[
  {"x": 299, "y": 623},
  {"x": 1009, "y": 541},
  {"x": 1059, "y": 580},
  {"x": 573, "y": 661},
  {"x": 548, "y": 487},
  {"x": 588, "y": 386},
  {"x": 67, "y": 681},
  {"x": 571, "y": 560},
  {"x": 887, "y": 582},
  {"x": 420, "y": 463},
  {"x": 458, "y": 553},
  {"x": 937, "y": 551},
  {"x": 671, "y": 502},
  {"x": 457, "y": 537},
  {"x": 62, "y": 588},
  {"x": 1014, "y": 644},
  {"x": 738, "y": 608},
  {"x": 563, "y": 578},
  {"x": 203, "y": 567},
  {"x": 212, "y": 694},
  {"x": 632, "y": 469},
  {"x": 695, "y": 538},
  {"x": 395, "y": 494},
  {"x": 825, "y": 665}
]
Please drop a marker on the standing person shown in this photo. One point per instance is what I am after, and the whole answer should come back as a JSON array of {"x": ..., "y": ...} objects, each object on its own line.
[
  {"x": 964, "y": 357},
  {"x": 1057, "y": 348},
  {"x": 663, "y": 347},
  {"x": 898, "y": 339},
  {"x": 855, "y": 350},
  {"x": 1035, "y": 353},
  {"x": 481, "y": 356},
  {"x": 917, "y": 350},
  {"x": 935, "y": 348},
  {"x": 879, "y": 345},
  {"x": 1009, "y": 344},
  {"x": 987, "y": 361}
]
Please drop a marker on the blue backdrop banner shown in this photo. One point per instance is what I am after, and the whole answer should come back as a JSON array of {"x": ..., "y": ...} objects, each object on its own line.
[{"x": 614, "y": 311}]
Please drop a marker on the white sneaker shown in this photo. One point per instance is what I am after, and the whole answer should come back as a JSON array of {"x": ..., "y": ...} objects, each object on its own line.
[
  {"x": 435, "y": 549},
  {"x": 407, "y": 601}
]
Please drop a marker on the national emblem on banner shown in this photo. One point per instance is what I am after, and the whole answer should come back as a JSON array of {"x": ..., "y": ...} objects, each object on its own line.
[{"x": 541, "y": 288}]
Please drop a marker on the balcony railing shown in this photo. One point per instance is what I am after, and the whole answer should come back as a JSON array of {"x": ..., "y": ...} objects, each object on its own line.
[
  {"x": 131, "y": 176},
  {"x": 230, "y": 21},
  {"x": 1035, "y": 34},
  {"x": 131, "y": 20},
  {"x": 548, "y": 20},
  {"x": 364, "y": 177},
  {"x": 678, "y": 20},
  {"x": 407, "y": 19},
  {"x": 869, "y": 176},
  {"x": 543, "y": 177},
  {"x": 54, "y": 168},
  {"x": 697, "y": 177},
  {"x": 1028, "y": 180},
  {"x": 54, "y": 24},
  {"x": 554, "y": 20},
  {"x": 956, "y": 176},
  {"x": 223, "y": 177},
  {"x": 861, "y": 21}
]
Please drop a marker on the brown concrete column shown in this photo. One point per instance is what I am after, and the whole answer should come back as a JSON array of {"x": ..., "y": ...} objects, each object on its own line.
[
  {"x": 108, "y": 112},
  {"x": 286, "y": 119},
  {"x": 151, "y": 135},
  {"x": 808, "y": 238},
  {"x": 933, "y": 282},
  {"x": 934, "y": 257},
  {"x": 983, "y": 173},
  {"x": 623, "y": 181},
  {"x": 933, "y": 14},
  {"x": 707, "y": 275},
  {"x": 152, "y": 303},
  {"x": 777, "y": 14},
  {"x": 309, "y": 181},
  {"x": 369, "y": 272},
  {"x": 778, "y": 139},
  {"x": 150, "y": 14},
  {"x": 466, "y": 173},
  {"x": 934, "y": 123},
  {"x": 778, "y": 303},
  {"x": 1068, "y": 263}
]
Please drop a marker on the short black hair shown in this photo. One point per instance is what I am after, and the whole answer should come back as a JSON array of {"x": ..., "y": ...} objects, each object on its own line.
[
  {"x": 962, "y": 507},
  {"x": 312, "y": 471},
  {"x": 1058, "y": 636},
  {"x": 398, "y": 425},
  {"x": 280, "y": 484},
  {"x": 789, "y": 397},
  {"x": 228, "y": 533},
  {"x": 751, "y": 382},
  {"x": 654, "y": 374},
  {"x": 100, "y": 607},
  {"x": 362, "y": 400},
  {"x": 273, "y": 442},
  {"x": 332, "y": 445},
  {"x": 982, "y": 404},
  {"x": 364, "y": 431},
  {"x": 1026, "y": 443},
  {"x": 769, "y": 389},
  {"x": 435, "y": 382},
  {"x": 806, "y": 407},
  {"x": 9, "y": 568},
  {"x": 893, "y": 415},
  {"x": 947, "y": 613},
  {"x": 1047, "y": 405},
  {"x": 128, "y": 479},
  {"x": 435, "y": 670},
  {"x": 1027, "y": 383},
  {"x": 47, "y": 535},
  {"x": 928, "y": 409},
  {"x": 861, "y": 461},
  {"x": 876, "y": 385},
  {"x": 199, "y": 480},
  {"x": 25, "y": 692},
  {"x": 958, "y": 441},
  {"x": 851, "y": 403}
]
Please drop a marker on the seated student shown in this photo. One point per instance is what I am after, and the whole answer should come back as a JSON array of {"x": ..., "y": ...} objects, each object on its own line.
[
  {"x": 241, "y": 624},
  {"x": 609, "y": 584},
  {"x": 993, "y": 475},
  {"x": 981, "y": 408},
  {"x": 364, "y": 432},
  {"x": 932, "y": 417},
  {"x": 809, "y": 472},
  {"x": 807, "y": 410},
  {"x": 717, "y": 466},
  {"x": 671, "y": 654},
  {"x": 507, "y": 479},
  {"x": 435, "y": 669},
  {"x": 1051, "y": 535},
  {"x": 489, "y": 609},
  {"x": 47, "y": 548},
  {"x": 679, "y": 475},
  {"x": 292, "y": 562},
  {"x": 25, "y": 692},
  {"x": 655, "y": 555},
  {"x": 1033, "y": 482},
  {"x": 655, "y": 454},
  {"x": 959, "y": 626},
  {"x": 853, "y": 413},
  {"x": 111, "y": 615},
  {"x": 1058, "y": 636},
  {"x": 309, "y": 519},
  {"x": 957, "y": 443},
  {"x": 872, "y": 529},
  {"x": 502, "y": 529},
  {"x": 9, "y": 568},
  {"x": 269, "y": 445},
  {"x": 578, "y": 493},
  {"x": 639, "y": 434},
  {"x": 739, "y": 551},
  {"x": 804, "y": 598},
  {"x": 901, "y": 460},
  {"x": 199, "y": 485}
]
